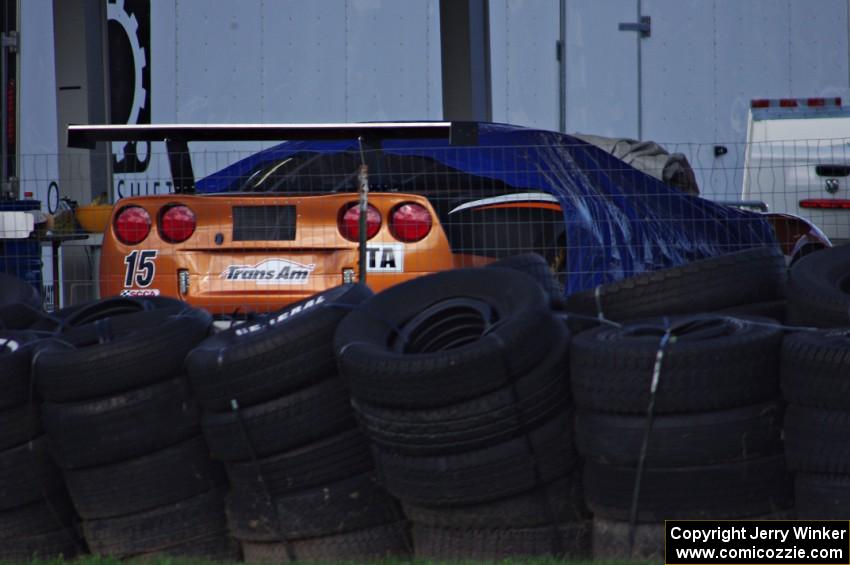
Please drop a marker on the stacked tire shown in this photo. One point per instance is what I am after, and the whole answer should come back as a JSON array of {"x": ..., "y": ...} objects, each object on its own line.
[
  {"x": 817, "y": 289},
  {"x": 36, "y": 517},
  {"x": 749, "y": 282},
  {"x": 302, "y": 482},
  {"x": 20, "y": 304},
  {"x": 714, "y": 447},
  {"x": 459, "y": 380},
  {"x": 126, "y": 433},
  {"x": 815, "y": 367}
]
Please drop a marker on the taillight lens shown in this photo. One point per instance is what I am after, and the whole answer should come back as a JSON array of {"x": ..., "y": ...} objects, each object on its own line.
[
  {"x": 349, "y": 222},
  {"x": 177, "y": 223},
  {"x": 410, "y": 222},
  {"x": 132, "y": 225}
]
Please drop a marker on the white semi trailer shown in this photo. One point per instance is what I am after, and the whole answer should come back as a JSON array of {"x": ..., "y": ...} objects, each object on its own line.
[{"x": 678, "y": 72}]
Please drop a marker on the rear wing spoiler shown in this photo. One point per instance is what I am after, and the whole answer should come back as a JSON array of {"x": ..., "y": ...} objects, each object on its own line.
[{"x": 178, "y": 136}]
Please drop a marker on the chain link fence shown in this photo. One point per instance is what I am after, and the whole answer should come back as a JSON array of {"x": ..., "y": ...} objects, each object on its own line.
[{"x": 269, "y": 224}]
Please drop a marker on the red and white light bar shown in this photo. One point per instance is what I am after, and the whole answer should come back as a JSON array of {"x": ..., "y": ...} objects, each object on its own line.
[
  {"x": 796, "y": 102},
  {"x": 826, "y": 203}
]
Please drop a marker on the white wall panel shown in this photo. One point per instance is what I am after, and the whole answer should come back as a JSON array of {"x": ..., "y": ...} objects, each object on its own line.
[
  {"x": 392, "y": 60},
  {"x": 524, "y": 67},
  {"x": 601, "y": 89}
]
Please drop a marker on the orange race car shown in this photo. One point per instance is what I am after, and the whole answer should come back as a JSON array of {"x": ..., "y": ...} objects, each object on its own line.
[{"x": 286, "y": 222}]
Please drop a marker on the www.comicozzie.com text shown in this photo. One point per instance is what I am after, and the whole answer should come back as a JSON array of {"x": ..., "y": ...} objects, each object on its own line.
[{"x": 757, "y": 533}]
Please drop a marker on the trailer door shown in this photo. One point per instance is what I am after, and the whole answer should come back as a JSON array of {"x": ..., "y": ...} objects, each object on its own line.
[{"x": 602, "y": 68}]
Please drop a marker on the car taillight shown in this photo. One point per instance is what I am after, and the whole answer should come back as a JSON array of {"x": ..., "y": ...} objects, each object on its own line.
[
  {"x": 410, "y": 222},
  {"x": 132, "y": 225},
  {"x": 177, "y": 223},
  {"x": 349, "y": 222}
]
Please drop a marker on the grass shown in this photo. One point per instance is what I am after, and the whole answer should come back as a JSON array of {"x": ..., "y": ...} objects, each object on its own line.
[{"x": 95, "y": 560}]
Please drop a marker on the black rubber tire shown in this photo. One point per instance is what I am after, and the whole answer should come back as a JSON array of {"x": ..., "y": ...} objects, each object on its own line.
[
  {"x": 497, "y": 416},
  {"x": 560, "y": 501},
  {"x": 16, "y": 348},
  {"x": 307, "y": 415},
  {"x": 571, "y": 541},
  {"x": 22, "y": 316},
  {"x": 116, "y": 428},
  {"x": 816, "y": 439},
  {"x": 57, "y": 544},
  {"x": 611, "y": 541},
  {"x": 200, "y": 517},
  {"x": 774, "y": 309},
  {"x": 817, "y": 296},
  {"x": 89, "y": 322},
  {"x": 214, "y": 547},
  {"x": 444, "y": 374},
  {"x": 386, "y": 542},
  {"x": 27, "y": 474},
  {"x": 752, "y": 275},
  {"x": 611, "y": 538},
  {"x": 535, "y": 265},
  {"x": 332, "y": 459},
  {"x": 822, "y": 496},
  {"x": 726, "y": 490},
  {"x": 612, "y": 368},
  {"x": 39, "y": 517},
  {"x": 273, "y": 355},
  {"x": 14, "y": 289},
  {"x": 18, "y": 425},
  {"x": 677, "y": 440},
  {"x": 351, "y": 504},
  {"x": 77, "y": 368},
  {"x": 157, "y": 479},
  {"x": 483, "y": 475},
  {"x": 117, "y": 308},
  {"x": 815, "y": 369}
]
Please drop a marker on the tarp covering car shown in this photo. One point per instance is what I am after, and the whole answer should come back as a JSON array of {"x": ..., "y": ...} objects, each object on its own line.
[{"x": 618, "y": 220}]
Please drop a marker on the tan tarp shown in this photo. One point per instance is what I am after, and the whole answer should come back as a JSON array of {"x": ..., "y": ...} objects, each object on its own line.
[{"x": 649, "y": 157}]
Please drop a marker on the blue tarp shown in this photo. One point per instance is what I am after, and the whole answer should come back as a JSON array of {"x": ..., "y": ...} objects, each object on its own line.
[{"x": 619, "y": 221}]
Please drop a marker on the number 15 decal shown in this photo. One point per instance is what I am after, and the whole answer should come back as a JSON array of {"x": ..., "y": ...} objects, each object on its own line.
[{"x": 140, "y": 268}]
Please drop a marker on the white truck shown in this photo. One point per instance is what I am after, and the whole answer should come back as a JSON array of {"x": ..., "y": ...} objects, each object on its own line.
[{"x": 797, "y": 160}]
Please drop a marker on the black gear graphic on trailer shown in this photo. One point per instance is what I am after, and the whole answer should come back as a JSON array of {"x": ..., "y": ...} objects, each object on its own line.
[{"x": 129, "y": 43}]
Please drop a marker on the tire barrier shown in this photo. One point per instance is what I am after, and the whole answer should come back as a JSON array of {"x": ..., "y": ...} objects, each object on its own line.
[
  {"x": 36, "y": 516},
  {"x": 746, "y": 277},
  {"x": 124, "y": 429},
  {"x": 814, "y": 382},
  {"x": 817, "y": 292},
  {"x": 678, "y": 418},
  {"x": 460, "y": 381},
  {"x": 302, "y": 481},
  {"x": 16, "y": 291},
  {"x": 477, "y": 426},
  {"x": 368, "y": 544},
  {"x": 536, "y": 266}
]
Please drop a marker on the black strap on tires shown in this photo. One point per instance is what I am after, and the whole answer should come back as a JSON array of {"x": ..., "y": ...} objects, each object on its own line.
[
  {"x": 67, "y": 529},
  {"x": 380, "y": 478},
  {"x": 255, "y": 461},
  {"x": 647, "y": 431},
  {"x": 557, "y": 544}
]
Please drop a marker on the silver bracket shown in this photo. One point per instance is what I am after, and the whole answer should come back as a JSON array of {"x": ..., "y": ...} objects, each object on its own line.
[{"x": 644, "y": 26}]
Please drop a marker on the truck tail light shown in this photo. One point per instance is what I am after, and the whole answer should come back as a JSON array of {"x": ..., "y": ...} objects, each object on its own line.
[
  {"x": 410, "y": 222},
  {"x": 349, "y": 222},
  {"x": 177, "y": 223},
  {"x": 826, "y": 203},
  {"x": 132, "y": 225}
]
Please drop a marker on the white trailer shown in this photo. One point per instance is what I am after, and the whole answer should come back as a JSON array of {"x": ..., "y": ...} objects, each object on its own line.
[
  {"x": 681, "y": 72},
  {"x": 798, "y": 160}
]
